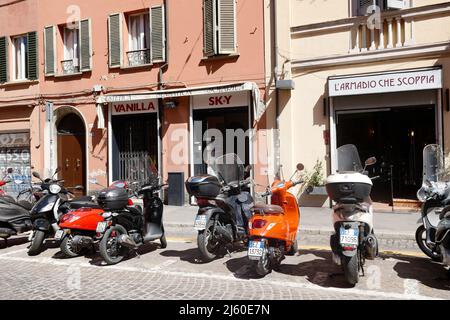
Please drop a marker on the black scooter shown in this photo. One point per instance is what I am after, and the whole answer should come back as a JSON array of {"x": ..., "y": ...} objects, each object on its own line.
[
  {"x": 225, "y": 206},
  {"x": 126, "y": 227},
  {"x": 443, "y": 236},
  {"x": 47, "y": 212}
]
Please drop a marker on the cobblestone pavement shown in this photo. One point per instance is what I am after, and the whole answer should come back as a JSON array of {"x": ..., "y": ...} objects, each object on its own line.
[{"x": 178, "y": 273}]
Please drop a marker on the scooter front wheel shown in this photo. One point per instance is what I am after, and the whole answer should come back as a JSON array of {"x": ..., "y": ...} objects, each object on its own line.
[
  {"x": 37, "y": 242},
  {"x": 110, "y": 249},
  {"x": 351, "y": 269},
  {"x": 421, "y": 240}
]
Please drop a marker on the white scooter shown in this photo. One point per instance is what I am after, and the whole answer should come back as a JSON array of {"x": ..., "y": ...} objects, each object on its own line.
[{"x": 354, "y": 239}]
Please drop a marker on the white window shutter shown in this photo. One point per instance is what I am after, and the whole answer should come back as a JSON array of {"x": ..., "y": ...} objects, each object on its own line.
[
  {"x": 85, "y": 45},
  {"x": 209, "y": 28},
  {"x": 158, "y": 34},
  {"x": 50, "y": 50},
  {"x": 227, "y": 26},
  {"x": 115, "y": 40}
]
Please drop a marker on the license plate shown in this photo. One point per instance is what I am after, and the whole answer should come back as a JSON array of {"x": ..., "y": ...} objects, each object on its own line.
[
  {"x": 200, "y": 222},
  {"x": 255, "y": 250},
  {"x": 349, "y": 237},
  {"x": 101, "y": 227},
  {"x": 59, "y": 235}
]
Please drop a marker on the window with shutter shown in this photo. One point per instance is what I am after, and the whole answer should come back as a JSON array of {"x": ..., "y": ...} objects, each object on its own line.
[
  {"x": 227, "y": 26},
  {"x": 19, "y": 57},
  {"x": 158, "y": 38},
  {"x": 209, "y": 27},
  {"x": 115, "y": 40},
  {"x": 33, "y": 60},
  {"x": 3, "y": 59},
  {"x": 49, "y": 47},
  {"x": 85, "y": 45}
]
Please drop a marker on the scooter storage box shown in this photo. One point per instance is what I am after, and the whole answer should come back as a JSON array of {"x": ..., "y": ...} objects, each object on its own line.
[
  {"x": 345, "y": 188},
  {"x": 203, "y": 186},
  {"x": 113, "y": 199}
]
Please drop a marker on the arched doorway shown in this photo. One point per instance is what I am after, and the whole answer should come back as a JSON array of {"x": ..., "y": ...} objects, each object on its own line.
[{"x": 72, "y": 152}]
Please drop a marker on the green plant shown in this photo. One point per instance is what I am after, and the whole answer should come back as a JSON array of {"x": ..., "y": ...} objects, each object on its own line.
[{"x": 315, "y": 177}]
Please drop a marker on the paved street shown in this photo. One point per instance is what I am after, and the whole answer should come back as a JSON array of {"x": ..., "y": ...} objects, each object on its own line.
[{"x": 177, "y": 273}]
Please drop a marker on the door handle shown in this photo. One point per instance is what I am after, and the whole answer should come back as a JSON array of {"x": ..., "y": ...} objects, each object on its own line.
[
  {"x": 67, "y": 163},
  {"x": 78, "y": 163}
]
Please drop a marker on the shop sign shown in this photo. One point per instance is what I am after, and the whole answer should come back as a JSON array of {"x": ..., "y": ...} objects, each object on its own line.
[
  {"x": 383, "y": 83},
  {"x": 134, "y": 107},
  {"x": 221, "y": 100}
]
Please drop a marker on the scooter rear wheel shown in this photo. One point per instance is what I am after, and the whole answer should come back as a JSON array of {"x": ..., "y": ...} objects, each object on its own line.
[
  {"x": 110, "y": 250},
  {"x": 421, "y": 242},
  {"x": 67, "y": 247},
  {"x": 208, "y": 250},
  {"x": 351, "y": 269},
  {"x": 263, "y": 266}
]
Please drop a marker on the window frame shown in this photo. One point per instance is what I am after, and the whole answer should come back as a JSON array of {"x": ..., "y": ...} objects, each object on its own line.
[
  {"x": 139, "y": 39},
  {"x": 24, "y": 59}
]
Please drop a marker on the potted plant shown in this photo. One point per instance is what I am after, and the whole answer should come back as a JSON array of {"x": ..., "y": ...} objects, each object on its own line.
[{"x": 313, "y": 192}]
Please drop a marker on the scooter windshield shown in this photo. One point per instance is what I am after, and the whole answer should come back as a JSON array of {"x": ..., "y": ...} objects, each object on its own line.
[
  {"x": 348, "y": 159},
  {"x": 229, "y": 168},
  {"x": 433, "y": 164}
]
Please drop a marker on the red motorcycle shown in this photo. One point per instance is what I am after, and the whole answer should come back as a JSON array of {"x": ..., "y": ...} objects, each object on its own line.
[{"x": 78, "y": 228}]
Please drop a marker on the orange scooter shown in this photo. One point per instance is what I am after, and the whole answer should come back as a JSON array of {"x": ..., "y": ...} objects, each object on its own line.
[{"x": 273, "y": 228}]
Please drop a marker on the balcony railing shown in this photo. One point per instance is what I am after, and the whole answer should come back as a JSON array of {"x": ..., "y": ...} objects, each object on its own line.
[
  {"x": 70, "y": 66},
  {"x": 138, "y": 57},
  {"x": 385, "y": 32}
]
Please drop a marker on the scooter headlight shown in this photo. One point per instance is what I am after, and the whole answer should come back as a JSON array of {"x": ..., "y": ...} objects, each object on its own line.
[
  {"x": 55, "y": 189},
  {"x": 422, "y": 195}
]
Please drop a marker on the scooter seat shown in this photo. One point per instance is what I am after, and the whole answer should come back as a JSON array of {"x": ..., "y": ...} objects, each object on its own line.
[
  {"x": 78, "y": 204},
  {"x": 262, "y": 208}
]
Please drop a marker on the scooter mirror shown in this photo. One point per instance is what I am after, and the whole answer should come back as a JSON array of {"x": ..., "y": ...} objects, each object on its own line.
[
  {"x": 36, "y": 175},
  {"x": 371, "y": 161},
  {"x": 300, "y": 167},
  {"x": 57, "y": 170}
]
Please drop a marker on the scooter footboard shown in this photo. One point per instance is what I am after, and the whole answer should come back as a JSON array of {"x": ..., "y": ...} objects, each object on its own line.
[{"x": 153, "y": 231}]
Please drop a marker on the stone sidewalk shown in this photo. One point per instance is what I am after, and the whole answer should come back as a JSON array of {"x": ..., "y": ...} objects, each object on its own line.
[{"x": 394, "y": 230}]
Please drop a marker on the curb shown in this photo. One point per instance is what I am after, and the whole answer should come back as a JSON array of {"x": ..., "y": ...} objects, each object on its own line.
[{"x": 187, "y": 228}]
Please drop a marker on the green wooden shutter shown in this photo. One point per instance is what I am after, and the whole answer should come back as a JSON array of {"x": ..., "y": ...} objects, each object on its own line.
[
  {"x": 115, "y": 40},
  {"x": 158, "y": 35},
  {"x": 3, "y": 59},
  {"x": 50, "y": 57},
  {"x": 209, "y": 27},
  {"x": 85, "y": 45},
  {"x": 33, "y": 58},
  {"x": 227, "y": 26}
]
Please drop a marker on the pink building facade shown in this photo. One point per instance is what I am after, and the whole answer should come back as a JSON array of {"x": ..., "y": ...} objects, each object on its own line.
[{"x": 109, "y": 90}]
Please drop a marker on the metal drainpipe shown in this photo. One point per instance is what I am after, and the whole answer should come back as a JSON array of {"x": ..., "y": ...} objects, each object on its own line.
[
  {"x": 160, "y": 87},
  {"x": 277, "y": 93}
]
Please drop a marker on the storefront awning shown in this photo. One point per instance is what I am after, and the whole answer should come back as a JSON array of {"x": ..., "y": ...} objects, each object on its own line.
[{"x": 259, "y": 106}]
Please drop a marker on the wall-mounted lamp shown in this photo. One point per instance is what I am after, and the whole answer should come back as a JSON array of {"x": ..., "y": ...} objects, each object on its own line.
[{"x": 170, "y": 104}]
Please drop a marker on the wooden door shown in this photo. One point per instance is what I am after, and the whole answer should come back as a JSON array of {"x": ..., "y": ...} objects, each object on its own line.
[{"x": 71, "y": 155}]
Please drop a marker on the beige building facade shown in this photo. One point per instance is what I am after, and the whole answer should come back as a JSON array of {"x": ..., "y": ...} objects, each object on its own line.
[{"x": 370, "y": 73}]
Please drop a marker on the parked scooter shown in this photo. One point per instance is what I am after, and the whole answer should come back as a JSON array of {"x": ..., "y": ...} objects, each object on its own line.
[
  {"x": 273, "y": 228},
  {"x": 224, "y": 206},
  {"x": 443, "y": 236},
  {"x": 435, "y": 195},
  {"x": 47, "y": 212},
  {"x": 354, "y": 239},
  {"x": 127, "y": 227},
  {"x": 78, "y": 228}
]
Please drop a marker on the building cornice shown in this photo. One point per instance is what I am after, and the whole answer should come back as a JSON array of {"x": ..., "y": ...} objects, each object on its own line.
[
  {"x": 418, "y": 51},
  {"x": 348, "y": 23}
]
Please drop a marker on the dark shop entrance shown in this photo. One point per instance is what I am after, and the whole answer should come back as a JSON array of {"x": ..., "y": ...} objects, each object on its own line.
[
  {"x": 396, "y": 137},
  {"x": 219, "y": 120},
  {"x": 135, "y": 147}
]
